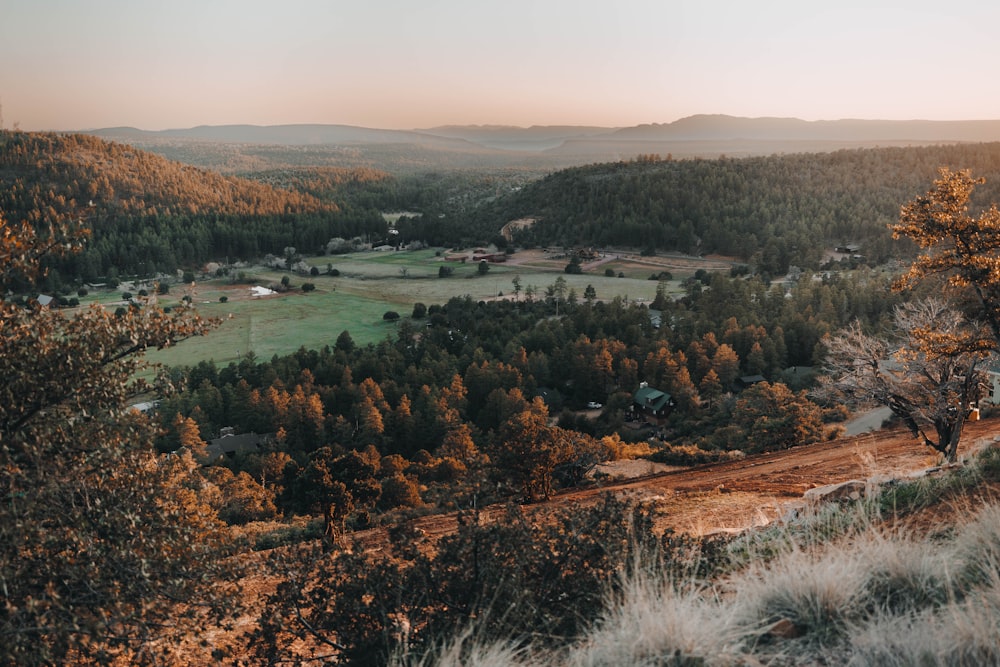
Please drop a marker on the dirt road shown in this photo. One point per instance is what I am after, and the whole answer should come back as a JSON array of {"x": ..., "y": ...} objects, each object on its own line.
[{"x": 734, "y": 496}]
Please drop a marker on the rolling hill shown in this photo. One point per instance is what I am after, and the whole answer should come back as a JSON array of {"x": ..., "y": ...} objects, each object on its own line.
[{"x": 485, "y": 147}]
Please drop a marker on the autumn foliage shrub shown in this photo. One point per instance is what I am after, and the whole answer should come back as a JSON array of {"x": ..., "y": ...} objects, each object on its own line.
[{"x": 513, "y": 576}]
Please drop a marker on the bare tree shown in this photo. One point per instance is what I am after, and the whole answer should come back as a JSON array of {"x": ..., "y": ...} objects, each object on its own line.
[{"x": 929, "y": 373}]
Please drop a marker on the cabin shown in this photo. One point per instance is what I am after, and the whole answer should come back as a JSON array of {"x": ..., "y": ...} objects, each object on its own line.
[
  {"x": 230, "y": 445},
  {"x": 747, "y": 381},
  {"x": 652, "y": 405}
]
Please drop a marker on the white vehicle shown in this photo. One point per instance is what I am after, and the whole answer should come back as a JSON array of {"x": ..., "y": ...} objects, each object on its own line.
[{"x": 593, "y": 405}]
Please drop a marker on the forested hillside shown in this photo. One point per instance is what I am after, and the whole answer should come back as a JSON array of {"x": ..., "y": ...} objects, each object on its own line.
[
  {"x": 769, "y": 211},
  {"x": 148, "y": 214}
]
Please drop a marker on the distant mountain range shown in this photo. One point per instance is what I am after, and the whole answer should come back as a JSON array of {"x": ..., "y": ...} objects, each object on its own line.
[
  {"x": 560, "y": 145},
  {"x": 692, "y": 128},
  {"x": 718, "y": 127}
]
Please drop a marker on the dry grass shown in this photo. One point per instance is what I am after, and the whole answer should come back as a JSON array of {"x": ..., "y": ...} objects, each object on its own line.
[
  {"x": 655, "y": 622},
  {"x": 849, "y": 587},
  {"x": 466, "y": 651}
]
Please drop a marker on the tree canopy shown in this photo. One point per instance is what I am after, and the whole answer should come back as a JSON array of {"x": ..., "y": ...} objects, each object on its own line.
[
  {"x": 106, "y": 551},
  {"x": 962, "y": 247}
]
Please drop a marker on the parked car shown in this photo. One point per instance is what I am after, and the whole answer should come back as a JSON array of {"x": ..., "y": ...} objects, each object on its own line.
[{"x": 594, "y": 405}]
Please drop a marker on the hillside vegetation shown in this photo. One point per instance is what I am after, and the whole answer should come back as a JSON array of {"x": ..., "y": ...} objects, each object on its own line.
[
  {"x": 771, "y": 212},
  {"x": 148, "y": 214},
  {"x": 906, "y": 576}
]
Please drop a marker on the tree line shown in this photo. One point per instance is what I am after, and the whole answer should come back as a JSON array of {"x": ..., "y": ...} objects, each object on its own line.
[{"x": 771, "y": 212}]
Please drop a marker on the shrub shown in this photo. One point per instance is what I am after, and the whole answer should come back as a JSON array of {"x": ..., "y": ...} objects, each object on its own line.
[
  {"x": 692, "y": 455},
  {"x": 308, "y": 287},
  {"x": 905, "y": 576},
  {"x": 290, "y": 534},
  {"x": 516, "y": 576},
  {"x": 978, "y": 548},
  {"x": 223, "y": 299},
  {"x": 657, "y": 622},
  {"x": 399, "y": 491},
  {"x": 820, "y": 593},
  {"x": 390, "y": 316}
]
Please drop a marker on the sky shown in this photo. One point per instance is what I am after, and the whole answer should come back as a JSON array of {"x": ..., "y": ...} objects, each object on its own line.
[{"x": 407, "y": 64}]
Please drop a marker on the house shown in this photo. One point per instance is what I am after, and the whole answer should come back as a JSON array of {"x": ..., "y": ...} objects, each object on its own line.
[
  {"x": 492, "y": 257},
  {"x": 230, "y": 445},
  {"x": 749, "y": 381},
  {"x": 992, "y": 390},
  {"x": 849, "y": 248},
  {"x": 652, "y": 405},
  {"x": 551, "y": 397}
]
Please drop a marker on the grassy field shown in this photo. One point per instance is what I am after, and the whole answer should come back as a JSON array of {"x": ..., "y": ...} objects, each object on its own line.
[
  {"x": 409, "y": 277},
  {"x": 369, "y": 284},
  {"x": 280, "y": 324}
]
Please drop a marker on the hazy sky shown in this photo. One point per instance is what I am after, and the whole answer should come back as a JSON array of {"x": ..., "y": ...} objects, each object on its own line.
[{"x": 80, "y": 64}]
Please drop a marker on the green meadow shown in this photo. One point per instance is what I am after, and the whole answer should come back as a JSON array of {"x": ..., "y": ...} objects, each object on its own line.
[{"x": 369, "y": 285}]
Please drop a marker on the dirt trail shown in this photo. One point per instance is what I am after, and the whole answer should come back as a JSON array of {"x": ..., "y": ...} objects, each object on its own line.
[{"x": 737, "y": 495}]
